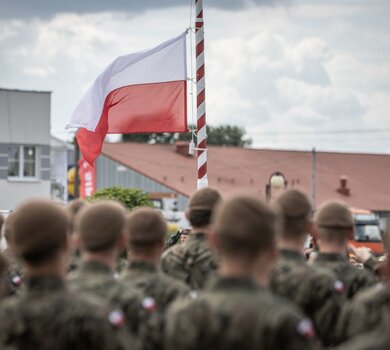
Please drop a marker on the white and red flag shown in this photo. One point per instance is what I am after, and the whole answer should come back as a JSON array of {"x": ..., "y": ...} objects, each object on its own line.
[{"x": 138, "y": 93}]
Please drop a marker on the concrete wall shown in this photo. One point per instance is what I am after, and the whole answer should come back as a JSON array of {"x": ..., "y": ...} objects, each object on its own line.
[
  {"x": 13, "y": 193},
  {"x": 110, "y": 173},
  {"x": 24, "y": 117}
]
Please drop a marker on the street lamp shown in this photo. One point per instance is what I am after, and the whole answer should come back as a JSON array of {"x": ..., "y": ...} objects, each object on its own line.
[{"x": 276, "y": 181}]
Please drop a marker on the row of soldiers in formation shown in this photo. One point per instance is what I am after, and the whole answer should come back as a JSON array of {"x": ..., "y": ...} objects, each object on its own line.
[{"x": 240, "y": 281}]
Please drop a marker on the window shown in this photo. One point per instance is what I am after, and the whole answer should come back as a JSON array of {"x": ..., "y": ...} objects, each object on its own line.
[
  {"x": 367, "y": 233},
  {"x": 22, "y": 162}
]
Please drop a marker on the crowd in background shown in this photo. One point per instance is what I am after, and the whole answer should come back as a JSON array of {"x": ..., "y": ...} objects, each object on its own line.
[{"x": 94, "y": 276}]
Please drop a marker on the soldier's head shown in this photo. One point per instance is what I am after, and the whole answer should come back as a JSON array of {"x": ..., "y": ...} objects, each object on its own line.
[
  {"x": 201, "y": 207},
  {"x": 245, "y": 231},
  {"x": 3, "y": 270},
  {"x": 73, "y": 208},
  {"x": 296, "y": 210},
  {"x": 100, "y": 227},
  {"x": 40, "y": 232},
  {"x": 334, "y": 224},
  {"x": 146, "y": 230}
]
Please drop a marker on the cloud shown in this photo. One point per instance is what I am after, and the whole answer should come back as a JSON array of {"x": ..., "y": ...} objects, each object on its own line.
[
  {"x": 267, "y": 68},
  {"x": 48, "y": 8}
]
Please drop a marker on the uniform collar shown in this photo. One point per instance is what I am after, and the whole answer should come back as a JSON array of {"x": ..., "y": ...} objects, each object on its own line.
[
  {"x": 142, "y": 266},
  {"x": 291, "y": 254},
  {"x": 330, "y": 257},
  {"x": 95, "y": 266},
  {"x": 232, "y": 283},
  {"x": 42, "y": 283}
]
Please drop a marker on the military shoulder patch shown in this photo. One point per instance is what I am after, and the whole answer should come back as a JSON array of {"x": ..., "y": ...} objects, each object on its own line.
[
  {"x": 116, "y": 318},
  {"x": 149, "y": 304},
  {"x": 305, "y": 328},
  {"x": 339, "y": 287}
]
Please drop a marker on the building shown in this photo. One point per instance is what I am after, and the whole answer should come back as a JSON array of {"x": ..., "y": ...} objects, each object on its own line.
[
  {"x": 24, "y": 146},
  {"x": 361, "y": 180}
]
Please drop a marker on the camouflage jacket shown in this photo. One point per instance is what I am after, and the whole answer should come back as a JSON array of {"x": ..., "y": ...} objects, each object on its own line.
[
  {"x": 192, "y": 263},
  {"x": 96, "y": 278},
  {"x": 364, "y": 313},
  {"x": 354, "y": 279},
  {"x": 153, "y": 283},
  {"x": 50, "y": 317},
  {"x": 14, "y": 274},
  {"x": 317, "y": 292},
  {"x": 235, "y": 313}
]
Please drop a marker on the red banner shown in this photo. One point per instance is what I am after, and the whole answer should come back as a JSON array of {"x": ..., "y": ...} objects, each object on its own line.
[{"x": 87, "y": 175}]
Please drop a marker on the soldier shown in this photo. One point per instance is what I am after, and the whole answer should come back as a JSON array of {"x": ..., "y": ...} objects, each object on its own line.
[
  {"x": 14, "y": 276},
  {"x": 368, "y": 311},
  {"x": 236, "y": 310},
  {"x": 334, "y": 226},
  {"x": 100, "y": 229},
  {"x": 146, "y": 229},
  {"x": 316, "y": 291},
  {"x": 194, "y": 262},
  {"x": 3, "y": 272},
  {"x": 48, "y": 316},
  {"x": 73, "y": 208}
]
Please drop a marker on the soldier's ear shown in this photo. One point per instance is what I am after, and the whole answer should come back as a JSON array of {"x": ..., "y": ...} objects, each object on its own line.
[
  {"x": 75, "y": 241},
  {"x": 213, "y": 241},
  {"x": 313, "y": 230}
]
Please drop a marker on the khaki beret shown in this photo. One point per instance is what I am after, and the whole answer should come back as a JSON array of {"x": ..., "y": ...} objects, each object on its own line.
[
  {"x": 146, "y": 226},
  {"x": 334, "y": 214},
  {"x": 246, "y": 220},
  {"x": 294, "y": 204},
  {"x": 204, "y": 199},
  {"x": 39, "y": 229},
  {"x": 100, "y": 224}
]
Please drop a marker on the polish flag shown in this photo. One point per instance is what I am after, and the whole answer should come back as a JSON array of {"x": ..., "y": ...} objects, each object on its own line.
[{"x": 142, "y": 92}]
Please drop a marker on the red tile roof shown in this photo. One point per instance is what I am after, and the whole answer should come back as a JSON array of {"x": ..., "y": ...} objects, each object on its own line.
[{"x": 231, "y": 169}]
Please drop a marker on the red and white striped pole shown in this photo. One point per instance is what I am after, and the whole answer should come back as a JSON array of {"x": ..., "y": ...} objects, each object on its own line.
[{"x": 201, "y": 96}]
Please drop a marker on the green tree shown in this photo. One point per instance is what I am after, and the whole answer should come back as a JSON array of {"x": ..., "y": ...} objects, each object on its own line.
[
  {"x": 129, "y": 197},
  {"x": 223, "y": 135}
]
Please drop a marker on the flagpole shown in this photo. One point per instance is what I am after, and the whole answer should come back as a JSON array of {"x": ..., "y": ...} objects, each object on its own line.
[{"x": 201, "y": 96}]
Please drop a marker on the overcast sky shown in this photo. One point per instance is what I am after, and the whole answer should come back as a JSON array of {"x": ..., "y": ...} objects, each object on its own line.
[{"x": 287, "y": 71}]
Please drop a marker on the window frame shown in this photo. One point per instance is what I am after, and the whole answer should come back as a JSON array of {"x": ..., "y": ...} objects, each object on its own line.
[{"x": 21, "y": 177}]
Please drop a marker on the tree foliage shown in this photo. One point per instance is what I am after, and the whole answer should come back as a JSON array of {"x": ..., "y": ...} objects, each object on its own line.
[
  {"x": 129, "y": 197},
  {"x": 223, "y": 135}
]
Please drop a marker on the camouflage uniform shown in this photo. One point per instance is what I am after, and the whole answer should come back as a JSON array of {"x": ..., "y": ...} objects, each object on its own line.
[
  {"x": 317, "y": 292},
  {"x": 50, "y": 317},
  {"x": 97, "y": 278},
  {"x": 14, "y": 275},
  {"x": 146, "y": 278},
  {"x": 354, "y": 279},
  {"x": 235, "y": 313},
  {"x": 192, "y": 263},
  {"x": 365, "y": 313}
]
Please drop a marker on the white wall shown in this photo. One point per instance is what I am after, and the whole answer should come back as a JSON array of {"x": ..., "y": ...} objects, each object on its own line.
[
  {"x": 14, "y": 193},
  {"x": 24, "y": 117}
]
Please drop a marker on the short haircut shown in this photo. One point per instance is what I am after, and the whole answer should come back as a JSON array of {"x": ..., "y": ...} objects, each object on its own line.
[
  {"x": 245, "y": 225},
  {"x": 296, "y": 210},
  {"x": 146, "y": 228},
  {"x": 201, "y": 206},
  {"x": 40, "y": 230},
  {"x": 73, "y": 208},
  {"x": 100, "y": 225}
]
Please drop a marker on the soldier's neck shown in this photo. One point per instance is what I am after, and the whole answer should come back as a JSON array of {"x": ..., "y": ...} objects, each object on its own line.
[
  {"x": 205, "y": 230},
  {"x": 327, "y": 247},
  {"x": 296, "y": 246},
  {"x": 54, "y": 267},
  {"x": 151, "y": 259},
  {"x": 240, "y": 268},
  {"x": 107, "y": 258}
]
